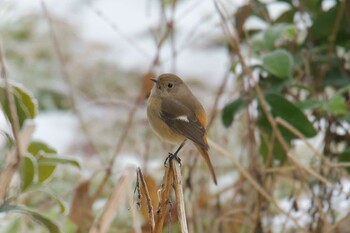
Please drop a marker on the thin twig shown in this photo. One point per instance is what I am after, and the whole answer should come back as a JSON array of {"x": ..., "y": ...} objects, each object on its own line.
[
  {"x": 113, "y": 204},
  {"x": 125, "y": 37},
  {"x": 340, "y": 14},
  {"x": 253, "y": 182},
  {"x": 172, "y": 36},
  {"x": 297, "y": 133},
  {"x": 66, "y": 76},
  {"x": 219, "y": 93},
  {"x": 148, "y": 199}
]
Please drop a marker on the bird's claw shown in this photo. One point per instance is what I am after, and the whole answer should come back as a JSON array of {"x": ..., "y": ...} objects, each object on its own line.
[{"x": 170, "y": 157}]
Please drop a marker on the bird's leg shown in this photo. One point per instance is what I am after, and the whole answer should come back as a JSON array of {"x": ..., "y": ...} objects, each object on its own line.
[{"x": 174, "y": 155}]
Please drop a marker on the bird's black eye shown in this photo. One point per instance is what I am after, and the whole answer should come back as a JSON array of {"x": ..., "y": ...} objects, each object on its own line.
[{"x": 170, "y": 85}]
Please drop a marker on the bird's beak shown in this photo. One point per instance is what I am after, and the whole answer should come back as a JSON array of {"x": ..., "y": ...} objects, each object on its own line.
[{"x": 154, "y": 80}]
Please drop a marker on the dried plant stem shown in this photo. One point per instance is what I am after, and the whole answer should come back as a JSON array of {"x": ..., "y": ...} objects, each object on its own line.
[
  {"x": 12, "y": 161},
  {"x": 164, "y": 200},
  {"x": 340, "y": 14},
  {"x": 219, "y": 93},
  {"x": 283, "y": 142},
  {"x": 134, "y": 213},
  {"x": 234, "y": 42},
  {"x": 148, "y": 199},
  {"x": 172, "y": 179},
  {"x": 293, "y": 168},
  {"x": 113, "y": 204},
  {"x": 254, "y": 183},
  {"x": 66, "y": 76},
  {"x": 297, "y": 133},
  {"x": 180, "y": 203},
  {"x": 14, "y": 158},
  {"x": 12, "y": 105}
]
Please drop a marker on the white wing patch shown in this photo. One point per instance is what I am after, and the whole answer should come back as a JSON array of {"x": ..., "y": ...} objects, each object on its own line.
[{"x": 182, "y": 118}]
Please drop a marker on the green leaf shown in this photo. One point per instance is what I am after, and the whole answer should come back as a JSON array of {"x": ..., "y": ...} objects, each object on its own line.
[
  {"x": 26, "y": 104},
  {"x": 287, "y": 16},
  {"x": 277, "y": 150},
  {"x": 45, "y": 171},
  {"x": 48, "y": 223},
  {"x": 281, "y": 107},
  {"x": 279, "y": 34},
  {"x": 54, "y": 160},
  {"x": 56, "y": 198},
  {"x": 14, "y": 226},
  {"x": 27, "y": 171},
  {"x": 347, "y": 118},
  {"x": 47, "y": 160},
  {"x": 279, "y": 63},
  {"x": 39, "y": 150},
  {"x": 36, "y": 148},
  {"x": 308, "y": 104},
  {"x": 51, "y": 99},
  {"x": 231, "y": 109},
  {"x": 336, "y": 76},
  {"x": 345, "y": 157},
  {"x": 336, "y": 105},
  {"x": 323, "y": 26}
]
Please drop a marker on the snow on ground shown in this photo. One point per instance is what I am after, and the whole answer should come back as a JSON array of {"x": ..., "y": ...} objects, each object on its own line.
[
  {"x": 282, "y": 222},
  {"x": 57, "y": 129}
]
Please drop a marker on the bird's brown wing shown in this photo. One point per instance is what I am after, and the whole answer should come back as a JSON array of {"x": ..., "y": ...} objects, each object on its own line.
[{"x": 183, "y": 121}]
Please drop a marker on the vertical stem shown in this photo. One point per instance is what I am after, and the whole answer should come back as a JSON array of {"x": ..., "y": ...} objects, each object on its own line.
[
  {"x": 164, "y": 200},
  {"x": 14, "y": 159},
  {"x": 148, "y": 199},
  {"x": 12, "y": 105},
  {"x": 180, "y": 203}
]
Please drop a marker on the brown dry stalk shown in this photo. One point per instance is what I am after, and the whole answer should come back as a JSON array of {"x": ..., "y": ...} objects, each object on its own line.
[
  {"x": 134, "y": 213},
  {"x": 115, "y": 200},
  {"x": 12, "y": 163},
  {"x": 66, "y": 76},
  {"x": 148, "y": 199},
  {"x": 219, "y": 93},
  {"x": 297, "y": 133},
  {"x": 172, "y": 179},
  {"x": 14, "y": 157},
  {"x": 180, "y": 203},
  {"x": 255, "y": 184},
  {"x": 12, "y": 105},
  {"x": 164, "y": 200}
]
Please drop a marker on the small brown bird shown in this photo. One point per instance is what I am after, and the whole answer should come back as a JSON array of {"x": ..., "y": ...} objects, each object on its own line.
[{"x": 176, "y": 115}]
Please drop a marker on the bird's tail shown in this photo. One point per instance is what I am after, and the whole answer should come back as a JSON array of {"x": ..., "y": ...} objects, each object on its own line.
[{"x": 205, "y": 155}]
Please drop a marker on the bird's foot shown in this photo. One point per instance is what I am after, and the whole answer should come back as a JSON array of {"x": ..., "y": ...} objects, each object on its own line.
[{"x": 172, "y": 156}]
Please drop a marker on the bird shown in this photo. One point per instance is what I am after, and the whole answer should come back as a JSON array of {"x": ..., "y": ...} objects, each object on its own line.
[{"x": 176, "y": 116}]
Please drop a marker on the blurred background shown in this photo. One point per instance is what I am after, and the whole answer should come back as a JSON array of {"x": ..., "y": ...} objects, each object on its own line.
[{"x": 273, "y": 76}]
